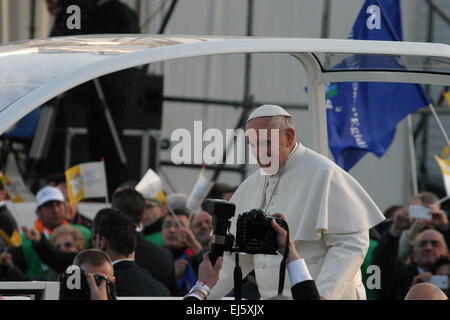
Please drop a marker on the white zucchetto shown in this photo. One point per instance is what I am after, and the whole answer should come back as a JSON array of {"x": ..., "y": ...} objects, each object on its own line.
[{"x": 268, "y": 110}]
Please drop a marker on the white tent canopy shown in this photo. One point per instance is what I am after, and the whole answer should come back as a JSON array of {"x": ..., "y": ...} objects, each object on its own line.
[{"x": 35, "y": 71}]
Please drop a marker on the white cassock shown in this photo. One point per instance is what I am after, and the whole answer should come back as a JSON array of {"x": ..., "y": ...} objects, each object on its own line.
[{"x": 329, "y": 216}]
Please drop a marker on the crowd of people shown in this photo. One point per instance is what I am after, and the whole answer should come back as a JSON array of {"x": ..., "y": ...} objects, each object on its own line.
[
  {"x": 153, "y": 253},
  {"x": 144, "y": 250}
]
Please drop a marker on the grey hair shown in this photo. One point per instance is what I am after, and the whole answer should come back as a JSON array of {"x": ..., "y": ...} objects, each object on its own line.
[{"x": 281, "y": 122}]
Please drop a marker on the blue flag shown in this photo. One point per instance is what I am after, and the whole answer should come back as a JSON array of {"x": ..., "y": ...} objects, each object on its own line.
[
  {"x": 25, "y": 127},
  {"x": 362, "y": 116}
]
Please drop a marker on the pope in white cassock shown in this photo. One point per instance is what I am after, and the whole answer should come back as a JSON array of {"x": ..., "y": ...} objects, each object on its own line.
[{"x": 328, "y": 212}]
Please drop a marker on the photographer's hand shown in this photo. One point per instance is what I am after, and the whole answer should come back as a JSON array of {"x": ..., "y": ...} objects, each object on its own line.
[
  {"x": 207, "y": 273},
  {"x": 281, "y": 239},
  {"x": 97, "y": 292}
]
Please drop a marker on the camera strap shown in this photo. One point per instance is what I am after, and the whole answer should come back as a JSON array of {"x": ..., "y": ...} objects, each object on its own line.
[
  {"x": 283, "y": 264},
  {"x": 237, "y": 279}
]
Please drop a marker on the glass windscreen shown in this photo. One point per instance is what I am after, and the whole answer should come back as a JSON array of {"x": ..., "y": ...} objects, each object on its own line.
[{"x": 359, "y": 62}]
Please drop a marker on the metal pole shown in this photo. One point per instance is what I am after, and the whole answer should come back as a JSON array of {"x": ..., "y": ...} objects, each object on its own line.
[
  {"x": 423, "y": 167},
  {"x": 430, "y": 31},
  {"x": 247, "y": 76},
  {"x": 231, "y": 103},
  {"x": 32, "y": 18},
  {"x": 137, "y": 8},
  {"x": 163, "y": 26},
  {"x": 167, "y": 16},
  {"x": 5, "y": 21},
  {"x": 325, "y": 32},
  {"x": 110, "y": 120},
  {"x": 439, "y": 123},
  {"x": 444, "y": 15},
  {"x": 412, "y": 155},
  {"x": 248, "y": 59},
  {"x": 325, "y": 19}
]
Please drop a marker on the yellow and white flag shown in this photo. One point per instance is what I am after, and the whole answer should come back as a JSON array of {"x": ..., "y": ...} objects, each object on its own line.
[
  {"x": 199, "y": 193},
  {"x": 86, "y": 180},
  {"x": 150, "y": 187},
  {"x": 16, "y": 189},
  {"x": 444, "y": 164},
  {"x": 447, "y": 97},
  {"x": 13, "y": 182}
]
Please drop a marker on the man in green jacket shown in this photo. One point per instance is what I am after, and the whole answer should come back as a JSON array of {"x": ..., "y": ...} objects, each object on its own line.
[{"x": 50, "y": 214}]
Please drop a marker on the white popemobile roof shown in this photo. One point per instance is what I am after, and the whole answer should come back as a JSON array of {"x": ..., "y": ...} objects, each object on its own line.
[{"x": 35, "y": 71}]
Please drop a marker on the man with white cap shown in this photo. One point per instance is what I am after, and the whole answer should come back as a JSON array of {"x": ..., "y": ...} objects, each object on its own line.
[
  {"x": 328, "y": 212},
  {"x": 50, "y": 214},
  {"x": 50, "y": 210}
]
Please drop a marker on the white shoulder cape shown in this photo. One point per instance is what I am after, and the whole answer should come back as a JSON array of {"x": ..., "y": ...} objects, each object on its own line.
[{"x": 314, "y": 194}]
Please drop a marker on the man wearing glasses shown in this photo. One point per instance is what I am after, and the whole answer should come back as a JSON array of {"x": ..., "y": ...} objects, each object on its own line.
[
  {"x": 154, "y": 213},
  {"x": 396, "y": 277},
  {"x": 187, "y": 252}
]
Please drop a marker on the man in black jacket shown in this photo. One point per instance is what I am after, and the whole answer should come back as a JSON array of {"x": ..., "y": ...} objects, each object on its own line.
[
  {"x": 398, "y": 277},
  {"x": 151, "y": 257},
  {"x": 117, "y": 237}
]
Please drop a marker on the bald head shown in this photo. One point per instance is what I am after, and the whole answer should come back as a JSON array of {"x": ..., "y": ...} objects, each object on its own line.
[
  {"x": 425, "y": 291},
  {"x": 431, "y": 234},
  {"x": 428, "y": 248}
]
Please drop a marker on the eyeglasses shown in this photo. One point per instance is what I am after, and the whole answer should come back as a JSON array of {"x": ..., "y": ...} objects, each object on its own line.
[
  {"x": 66, "y": 245},
  {"x": 152, "y": 204},
  {"x": 169, "y": 224},
  {"x": 434, "y": 243}
]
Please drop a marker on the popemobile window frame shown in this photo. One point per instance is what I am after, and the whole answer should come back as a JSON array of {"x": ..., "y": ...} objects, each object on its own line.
[{"x": 35, "y": 71}]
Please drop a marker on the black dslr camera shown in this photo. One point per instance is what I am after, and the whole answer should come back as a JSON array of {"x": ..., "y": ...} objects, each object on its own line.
[
  {"x": 254, "y": 233},
  {"x": 74, "y": 285}
]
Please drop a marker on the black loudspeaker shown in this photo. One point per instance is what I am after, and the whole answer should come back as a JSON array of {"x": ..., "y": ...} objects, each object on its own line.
[
  {"x": 134, "y": 100},
  {"x": 137, "y": 97},
  {"x": 145, "y": 108}
]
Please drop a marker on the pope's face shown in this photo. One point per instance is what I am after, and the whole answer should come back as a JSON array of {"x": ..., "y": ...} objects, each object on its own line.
[{"x": 270, "y": 146}]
